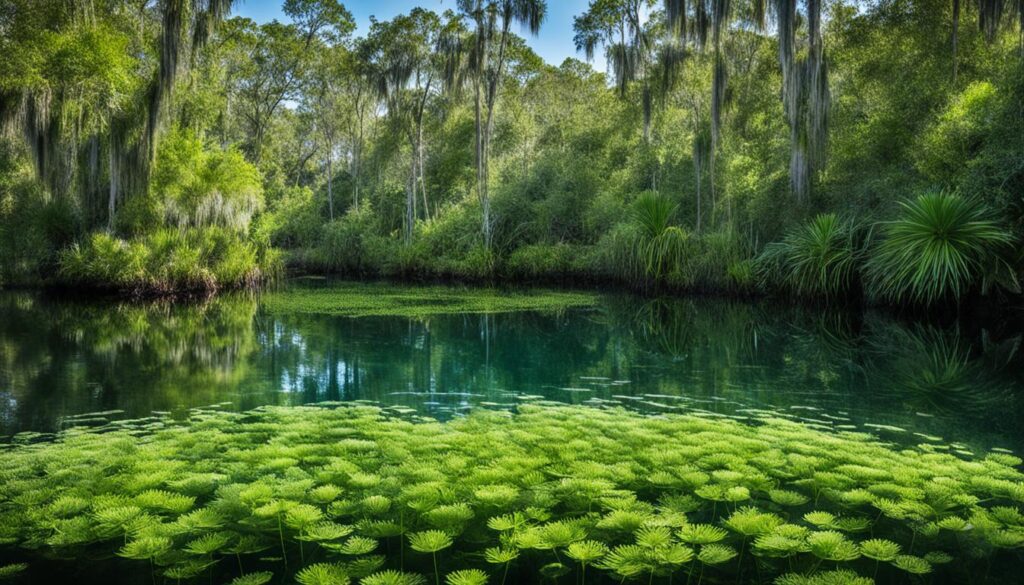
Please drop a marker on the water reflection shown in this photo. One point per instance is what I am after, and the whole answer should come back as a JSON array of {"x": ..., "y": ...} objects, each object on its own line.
[{"x": 60, "y": 359}]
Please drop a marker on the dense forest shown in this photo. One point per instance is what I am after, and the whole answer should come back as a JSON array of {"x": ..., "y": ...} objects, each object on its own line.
[{"x": 841, "y": 149}]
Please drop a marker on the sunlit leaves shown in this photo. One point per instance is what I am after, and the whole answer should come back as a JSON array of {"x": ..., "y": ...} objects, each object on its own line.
[
  {"x": 429, "y": 541},
  {"x": 435, "y": 487},
  {"x": 586, "y": 551},
  {"x": 466, "y": 577},
  {"x": 912, "y": 564},
  {"x": 393, "y": 578},
  {"x": 260, "y": 578},
  {"x": 879, "y": 549},
  {"x": 322, "y": 574}
]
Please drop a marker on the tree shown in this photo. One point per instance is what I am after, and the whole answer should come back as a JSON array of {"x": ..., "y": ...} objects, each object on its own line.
[
  {"x": 481, "y": 57},
  {"x": 278, "y": 60},
  {"x": 619, "y": 26},
  {"x": 83, "y": 57},
  {"x": 407, "y": 72}
]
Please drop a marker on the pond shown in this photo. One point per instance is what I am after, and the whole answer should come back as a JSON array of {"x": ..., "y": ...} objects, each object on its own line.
[
  {"x": 65, "y": 363},
  {"x": 179, "y": 439}
]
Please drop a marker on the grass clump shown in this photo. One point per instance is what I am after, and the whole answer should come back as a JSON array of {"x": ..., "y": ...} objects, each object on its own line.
[
  {"x": 380, "y": 300},
  {"x": 347, "y": 493}
]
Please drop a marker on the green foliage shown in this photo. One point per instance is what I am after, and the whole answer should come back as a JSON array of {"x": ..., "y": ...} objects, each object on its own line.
[
  {"x": 822, "y": 258},
  {"x": 168, "y": 260},
  {"x": 942, "y": 246},
  {"x": 676, "y": 178},
  {"x": 534, "y": 467},
  {"x": 958, "y": 131},
  {"x": 194, "y": 185}
]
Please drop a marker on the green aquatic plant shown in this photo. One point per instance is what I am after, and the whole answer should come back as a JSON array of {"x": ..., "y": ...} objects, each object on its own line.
[
  {"x": 366, "y": 300},
  {"x": 602, "y": 492},
  {"x": 260, "y": 578},
  {"x": 586, "y": 552},
  {"x": 393, "y": 578},
  {"x": 430, "y": 541},
  {"x": 13, "y": 570},
  {"x": 466, "y": 577},
  {"x": 838, "y": 577},
  {"x": 322, "y": 574}
]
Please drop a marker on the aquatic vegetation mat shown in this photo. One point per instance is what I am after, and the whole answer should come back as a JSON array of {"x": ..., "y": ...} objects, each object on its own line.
[
  {"x": 377, "y": 300},
  {"x": 340, "y": 493}
]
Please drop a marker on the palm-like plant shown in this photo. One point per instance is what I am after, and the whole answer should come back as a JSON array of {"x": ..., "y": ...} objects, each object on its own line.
[
  {"x": 941, "y": 246},
  {"x": 820, "y": 258},
  {"x": 661, "y": 245}
]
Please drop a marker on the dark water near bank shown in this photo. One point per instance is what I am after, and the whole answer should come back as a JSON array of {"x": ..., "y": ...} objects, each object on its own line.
[{"x": 66, "y": 363}]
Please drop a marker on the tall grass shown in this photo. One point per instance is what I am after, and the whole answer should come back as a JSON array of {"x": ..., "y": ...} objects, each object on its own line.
[{"x": 662, "y": 247}]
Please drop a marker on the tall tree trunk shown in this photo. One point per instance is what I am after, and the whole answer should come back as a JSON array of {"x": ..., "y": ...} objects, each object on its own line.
[
  {"x": 481, "y": 183},
  {"x": 697, "y": 167},
  {"x": 956, "y": 36},
  {"x": 115, "y": 177},
  {"x": 422, "y": 173},
  {"x": 410, "y": 200},
  {"x": 330, "y": 180},
  {"x": 358, "y": 162}
]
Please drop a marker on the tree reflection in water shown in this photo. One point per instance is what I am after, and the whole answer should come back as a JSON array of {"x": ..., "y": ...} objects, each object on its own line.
[{"x": 61, "y": 359}]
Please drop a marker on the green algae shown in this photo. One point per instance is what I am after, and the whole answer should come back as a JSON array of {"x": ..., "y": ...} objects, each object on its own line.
[
  {"x": 335, "y": 493},
  {"x": 379, "y": 300}
]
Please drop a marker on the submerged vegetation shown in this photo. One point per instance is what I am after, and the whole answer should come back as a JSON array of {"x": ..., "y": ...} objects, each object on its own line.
[{"x": 335, "y": 493}]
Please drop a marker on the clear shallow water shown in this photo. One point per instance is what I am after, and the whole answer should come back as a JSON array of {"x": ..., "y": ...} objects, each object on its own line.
[{"x": 65, "y": 363}]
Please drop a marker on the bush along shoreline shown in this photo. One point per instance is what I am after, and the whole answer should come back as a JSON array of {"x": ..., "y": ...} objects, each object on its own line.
[
  {"x": 941, "y": 250},
  {"x": 169, "y": 262}
]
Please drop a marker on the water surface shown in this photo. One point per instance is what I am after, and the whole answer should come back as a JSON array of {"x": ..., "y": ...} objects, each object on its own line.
[{"x": 73, "y": 362}]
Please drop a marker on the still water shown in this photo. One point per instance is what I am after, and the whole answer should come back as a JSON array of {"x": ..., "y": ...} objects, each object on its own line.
[{"x": 73, "y": 362}]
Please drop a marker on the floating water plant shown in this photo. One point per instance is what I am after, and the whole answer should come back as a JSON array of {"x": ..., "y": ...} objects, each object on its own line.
[
  {"x": 365, "y": 300},
  {"x": 337, "y": 494}
]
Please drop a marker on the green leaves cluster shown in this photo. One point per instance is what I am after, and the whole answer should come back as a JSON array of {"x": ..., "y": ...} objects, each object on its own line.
[{"x": 546, "y": 491}]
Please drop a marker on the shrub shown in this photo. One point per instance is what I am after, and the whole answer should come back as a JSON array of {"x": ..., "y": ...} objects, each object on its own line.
[
  {"x": 168, "y": 261},
  {"x": 294, "y": 219},
  {"x": 615, "y": 254},
  {"x": 199, "y": 186},
  {"x": 821, "y": 258},
  {"x": 955, "y": 137},
  {"x": 104, "y": 260},
  {"x": 941, "y": 246},
  {"x": 351, "y": 243},
  {"x": 715, "y": 261},
  {"x": 541, "y": 260}
]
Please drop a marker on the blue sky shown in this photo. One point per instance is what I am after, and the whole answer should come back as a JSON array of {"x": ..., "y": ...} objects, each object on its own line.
[{"x": 554, "y": 43}]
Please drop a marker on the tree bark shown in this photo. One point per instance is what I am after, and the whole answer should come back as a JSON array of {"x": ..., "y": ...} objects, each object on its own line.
[
  {"x": 115, "y": 177},
  {"x": 330, "y": 180}
]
